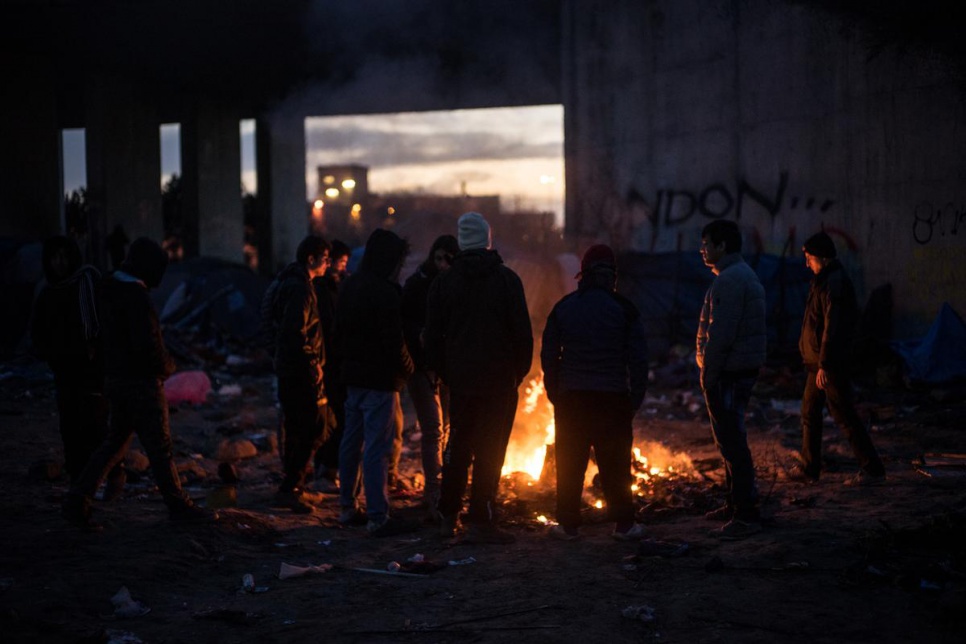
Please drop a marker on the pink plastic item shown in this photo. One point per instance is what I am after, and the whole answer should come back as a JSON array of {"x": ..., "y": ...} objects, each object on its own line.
[{"x": 187, "y": 386}]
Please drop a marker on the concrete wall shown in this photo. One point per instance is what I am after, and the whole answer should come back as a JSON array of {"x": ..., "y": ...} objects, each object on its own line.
[{"x": 772, "y": 114}]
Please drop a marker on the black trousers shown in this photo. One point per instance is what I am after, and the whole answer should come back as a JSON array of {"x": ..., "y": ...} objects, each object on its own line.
[
  {"x": 327, "y": 456},
  {"x": 602, "y": 421},
  {"x": 839, "y": 396},
  {"x": 83, "y": 416},
  {"x": 726, "y": 403},
  {"x": 303, "y": 428},
  {"x": 480, "y": 427},
  {"x": 136, "y": 406}
]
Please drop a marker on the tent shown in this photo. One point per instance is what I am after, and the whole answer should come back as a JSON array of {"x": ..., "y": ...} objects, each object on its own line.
[{"x": 940, "y": 355}]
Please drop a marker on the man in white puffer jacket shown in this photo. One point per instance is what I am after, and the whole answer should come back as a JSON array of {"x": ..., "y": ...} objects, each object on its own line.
[{"x": 731, "y": 345}]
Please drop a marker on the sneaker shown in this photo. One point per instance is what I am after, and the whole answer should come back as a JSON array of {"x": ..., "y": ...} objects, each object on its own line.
[
  {"x": 488, "y": 533},
  {"x": 292, "y": 500},
  {"x": 563, "y": 534},
  {"x": 864, "y": 479},
  {"x": 391, "y": 526},
  {"x": 449, "y": 525},
  {"x": 352, "y": 517},
  {"x": 724, "y": 513},
  {"x": 633, "y": 532},
  {"x": 737, "y": 529},
  {"x": 191, "y": 513}
]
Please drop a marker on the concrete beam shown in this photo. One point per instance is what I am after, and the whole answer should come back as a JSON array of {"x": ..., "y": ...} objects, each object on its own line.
[
  {"x": 123, "y": 161},
  {"x": 280, "y": 161},
  {"x": 211, "y": 175}
]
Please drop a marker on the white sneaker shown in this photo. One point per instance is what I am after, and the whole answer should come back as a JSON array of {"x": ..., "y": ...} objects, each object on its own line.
[{"x": 635, "y": 533}]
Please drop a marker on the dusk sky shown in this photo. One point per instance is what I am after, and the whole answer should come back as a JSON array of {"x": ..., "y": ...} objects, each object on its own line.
[{"x": 516, "y": 153}]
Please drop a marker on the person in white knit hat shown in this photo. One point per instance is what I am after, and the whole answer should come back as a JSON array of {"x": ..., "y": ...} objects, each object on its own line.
[{"x": 479, "y": 341}]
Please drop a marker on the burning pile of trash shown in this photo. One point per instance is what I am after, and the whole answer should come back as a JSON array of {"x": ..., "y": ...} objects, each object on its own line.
[{"x": 664, "y": 481}]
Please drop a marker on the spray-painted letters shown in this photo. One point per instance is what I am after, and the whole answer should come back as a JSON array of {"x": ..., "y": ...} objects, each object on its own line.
[
  {"x": 716, "y": 201},
  {"x": 929, "y": 222}
]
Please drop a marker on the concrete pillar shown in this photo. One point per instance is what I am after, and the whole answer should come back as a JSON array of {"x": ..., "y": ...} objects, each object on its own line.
[
  {"x": 31, "y": 203},
  {"x": 123, "y": 161},
  {"x": 211, "y": 176},
  {"x": 284, "y": 216}
]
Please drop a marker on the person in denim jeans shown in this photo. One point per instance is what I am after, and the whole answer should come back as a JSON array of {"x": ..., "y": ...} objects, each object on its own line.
[
  {"x": 430, "y": 396},
  {"x": 375, "y": 367},
  {"x": 730, "y": 349}
]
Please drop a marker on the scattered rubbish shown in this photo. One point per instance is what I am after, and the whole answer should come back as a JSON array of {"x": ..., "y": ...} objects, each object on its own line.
[
  {"x": 187, "y": 386},
  {"x": 326, "y": 543},
  {"x": 417, "y": 558},
  {"x": 248, "y": 583},
  {"x": 929, "y": 585},
  {"x": 125, "y": 606},
  {"x": 229, "y": 390},
  {"x": 228, "y": 474},
  {"x": 462, "y": 562},
  {"x": 289, "y": 571},
  {"x": 394, "y": 566},
  {"x": 641, "y": 613},
  {"x": 804, "y": 501},
  {"x": 796, "y": 565},
  {"x": 235, "y": 449},
  {"x": 668, "y": 549},
  {"x": 44, "y": 470}
]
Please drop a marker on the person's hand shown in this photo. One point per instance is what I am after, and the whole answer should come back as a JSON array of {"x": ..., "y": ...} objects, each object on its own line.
[
  {"x": 821, "y": 379},
  {"x": 318, "y": 372}
]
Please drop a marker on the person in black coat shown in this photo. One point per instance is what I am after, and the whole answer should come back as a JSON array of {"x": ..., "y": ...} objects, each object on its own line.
[
  {"x": 375, "y": 367},
  {"x": 479, "y": 341},
  {"x": 292, "y": 310},
  {"x": 136, "y": 365},
  {"x": 594, "y": 359},
  {"x": 831, "y": 314}
]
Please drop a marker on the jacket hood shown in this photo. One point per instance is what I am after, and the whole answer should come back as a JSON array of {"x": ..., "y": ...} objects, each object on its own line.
[
  {"x": 385, "y": 252},
  {"x": 476, "y": 263},
  {"x": 293, "y": 270},
  {"x": 147, "y": 261}
]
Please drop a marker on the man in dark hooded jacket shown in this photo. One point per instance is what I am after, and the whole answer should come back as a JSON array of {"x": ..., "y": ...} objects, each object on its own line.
[
  {"x": 828, "y": 324},
  {"x": 65, "y": 332},
  {"x": 137, "y": 364},
  {"x": 478, "y": 339},
  {"x": 375, "y": 367},
  {"x": 594, "y": 359},
  {"x": 291, "y": 306}
]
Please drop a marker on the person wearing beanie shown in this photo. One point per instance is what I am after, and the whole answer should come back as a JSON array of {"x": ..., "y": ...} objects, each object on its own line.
[
  {"x": 473, "y": 232},
  {"x": 731, "y": 345},
  {"x": 478, "y": 340},
  {"x": 594, "y": 359},
  {"x": 831, "y": 314},
  {"x": 290, "y": 310},
  {"x": 375, "y": 367},
  {"x": 430, "y": 397},
  {"x": 136, "y": 366}
]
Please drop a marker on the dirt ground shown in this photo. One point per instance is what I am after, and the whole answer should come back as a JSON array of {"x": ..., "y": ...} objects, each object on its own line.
[{"x": 834, "y": 564}]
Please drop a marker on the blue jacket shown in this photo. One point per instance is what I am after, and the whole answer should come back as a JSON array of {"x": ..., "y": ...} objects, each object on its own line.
[{"x": 594, "y": 341}]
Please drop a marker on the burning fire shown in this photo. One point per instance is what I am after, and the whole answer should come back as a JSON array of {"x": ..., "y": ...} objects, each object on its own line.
[{"x": 534, "y": 431}]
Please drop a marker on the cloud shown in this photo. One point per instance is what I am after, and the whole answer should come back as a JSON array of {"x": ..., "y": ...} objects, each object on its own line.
[{"x": 436, "y": 137}]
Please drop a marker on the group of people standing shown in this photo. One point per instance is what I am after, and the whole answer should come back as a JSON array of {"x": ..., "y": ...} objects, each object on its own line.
[{"x": 458, "y": 334}]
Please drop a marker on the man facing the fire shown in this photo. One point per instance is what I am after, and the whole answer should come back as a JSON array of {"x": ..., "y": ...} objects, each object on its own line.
[
  {"x": 731, "y": 348},
  {"x": 479, "y": 341},
  {"x": 594, "y": 360}
]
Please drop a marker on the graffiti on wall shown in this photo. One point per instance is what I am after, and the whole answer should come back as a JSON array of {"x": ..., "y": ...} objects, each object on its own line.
[
  {"x": 930, "y": 223},
  {"x": 674, "y": 207}
]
